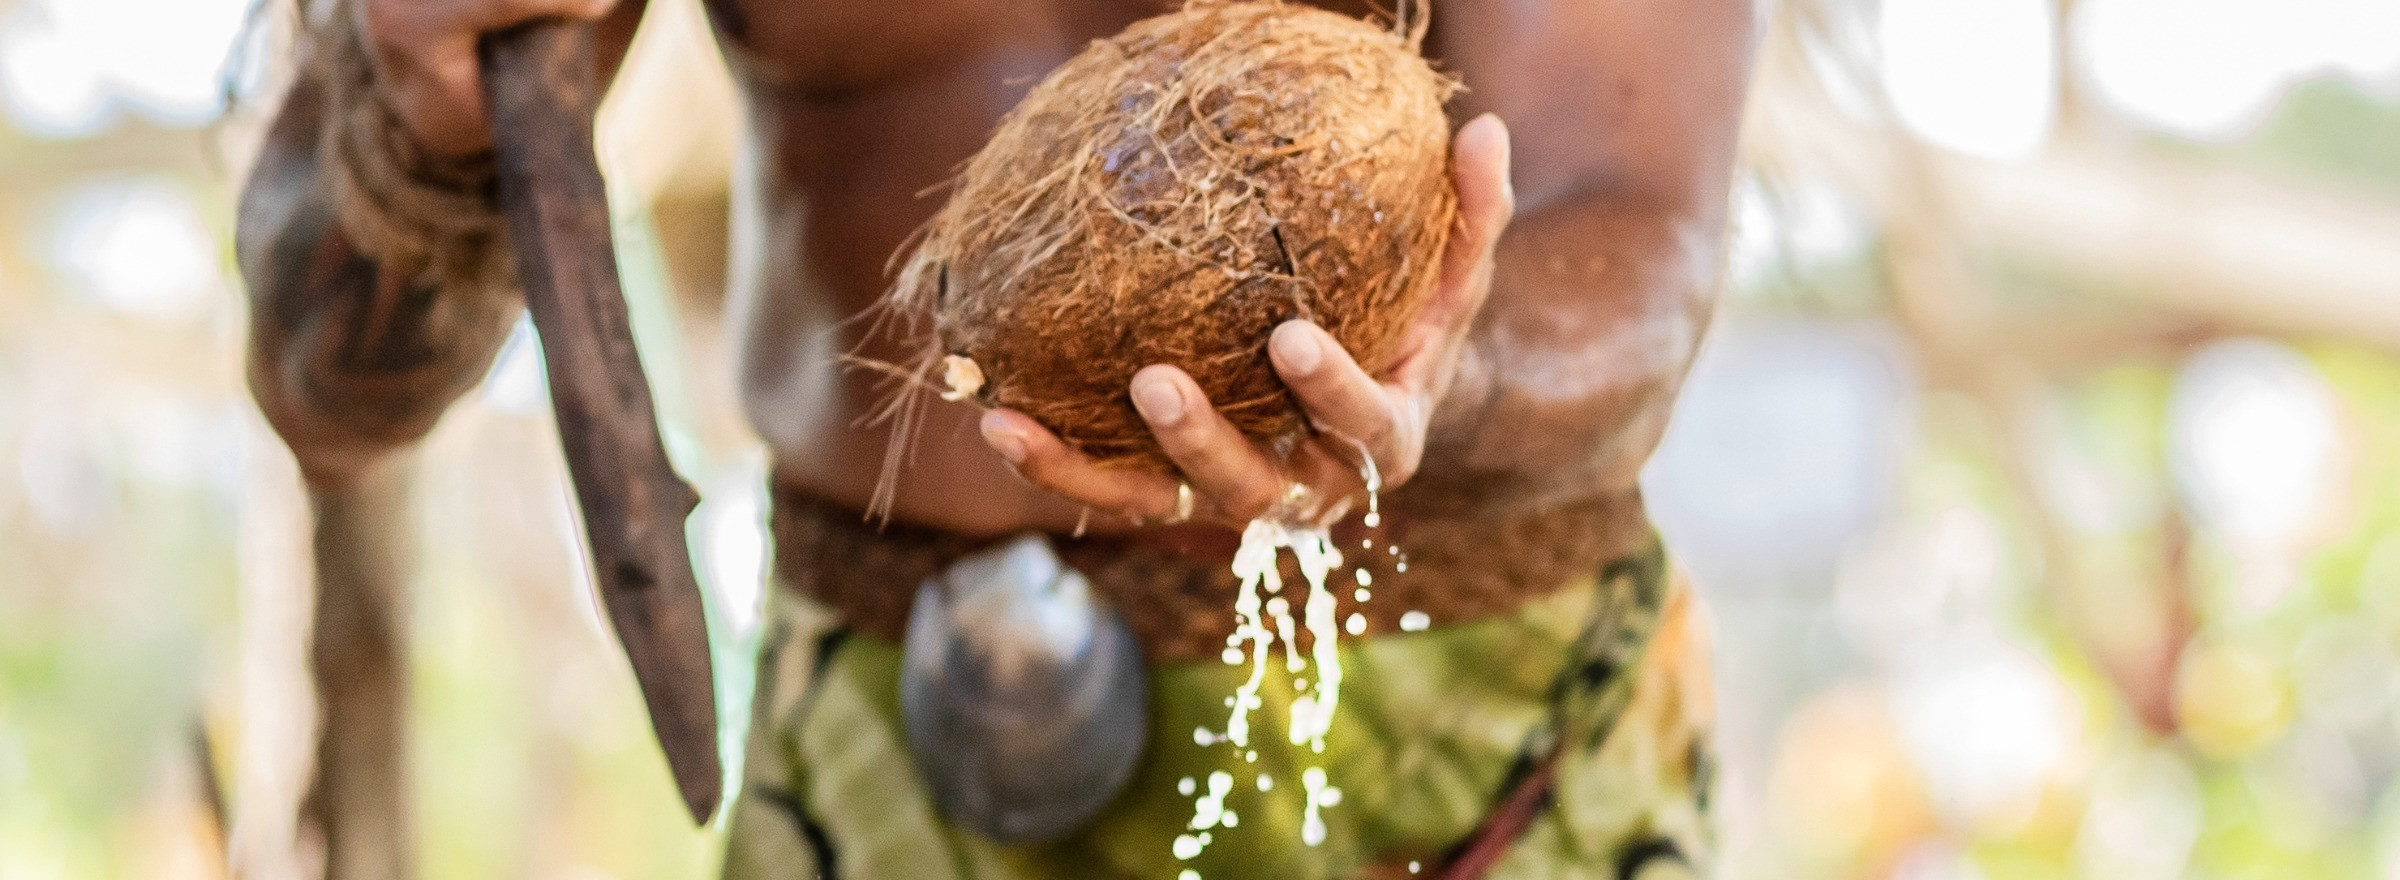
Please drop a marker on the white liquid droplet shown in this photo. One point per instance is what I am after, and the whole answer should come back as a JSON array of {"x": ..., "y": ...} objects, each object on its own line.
[
  {"x": 1263, "y": 615},
  {"x": 1209, "y": 811},
  {"x": 1312, "y": 820},
  {"x": 1281, "y": 610},
  {"x": 1373, "y": 477},
  {"x": 1415, "y": 621}
]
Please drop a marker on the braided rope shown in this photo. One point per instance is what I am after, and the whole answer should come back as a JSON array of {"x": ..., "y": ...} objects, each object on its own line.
[{"x": 411, "y": 211}]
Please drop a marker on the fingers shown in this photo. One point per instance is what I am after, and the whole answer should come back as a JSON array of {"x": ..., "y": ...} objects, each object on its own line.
[
  {"x": 1486, "y": 202},
  {"x": 1342, "y": 400},
  {"x": 1229, "y": 473},
  {"x": 1231, "y": 478},
  {"x": 1389, "y": 417},
  {"x": 425, "y": 53},
  {"x": 1486, "y": 199},
  {"x": 1041, "y": 458}
]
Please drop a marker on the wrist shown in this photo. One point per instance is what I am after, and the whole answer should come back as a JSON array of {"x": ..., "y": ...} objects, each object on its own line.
[{"x": 409, "y": 208}]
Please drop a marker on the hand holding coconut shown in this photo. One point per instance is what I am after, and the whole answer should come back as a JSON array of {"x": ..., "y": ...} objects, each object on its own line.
[
  {"x": 1235, "y": 478},
  {"x": 1220, "y": 264}
]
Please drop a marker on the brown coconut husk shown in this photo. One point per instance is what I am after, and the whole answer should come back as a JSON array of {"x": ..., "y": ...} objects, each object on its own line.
[{"x": 1170, "y": 195}]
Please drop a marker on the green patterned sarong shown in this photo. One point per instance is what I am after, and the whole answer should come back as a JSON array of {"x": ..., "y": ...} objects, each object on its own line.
[{"x": 1433, "y": 729}]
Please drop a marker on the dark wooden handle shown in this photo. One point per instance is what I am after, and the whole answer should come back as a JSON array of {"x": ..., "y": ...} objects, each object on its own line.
[{"x": 542, "y": 91}]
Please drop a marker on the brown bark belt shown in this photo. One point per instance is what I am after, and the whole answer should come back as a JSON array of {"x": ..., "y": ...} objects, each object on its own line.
[{"x": 1180, "y": 604}]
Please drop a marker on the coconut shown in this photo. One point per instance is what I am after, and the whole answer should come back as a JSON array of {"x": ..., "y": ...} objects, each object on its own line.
[{"x": 1170, "y": 195}]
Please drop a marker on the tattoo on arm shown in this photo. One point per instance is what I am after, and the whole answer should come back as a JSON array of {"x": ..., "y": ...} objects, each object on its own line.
[{"x": 349, "y": 362}]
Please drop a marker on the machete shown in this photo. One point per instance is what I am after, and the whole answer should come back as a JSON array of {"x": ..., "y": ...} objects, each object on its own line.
[{"x": 542, "y": 91}]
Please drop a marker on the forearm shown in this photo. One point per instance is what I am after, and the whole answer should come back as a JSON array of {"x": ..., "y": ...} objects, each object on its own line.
[
  {"x": 1598, "y": 305},
  {"x": 1626, "y": 114},
  {"x": 356, "y": 350},
  {"x": 348, "y": 362}
]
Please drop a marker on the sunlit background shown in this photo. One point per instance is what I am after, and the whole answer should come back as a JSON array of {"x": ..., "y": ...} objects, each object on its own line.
[{"x": 2040, "y": 472}]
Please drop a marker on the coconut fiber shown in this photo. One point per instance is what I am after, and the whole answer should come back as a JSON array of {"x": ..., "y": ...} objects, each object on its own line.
[{"x": 1169, "y": 196}]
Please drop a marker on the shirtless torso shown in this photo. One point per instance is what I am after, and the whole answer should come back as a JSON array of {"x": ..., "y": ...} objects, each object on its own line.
[
  {"x": 1623, "y": 117},
  {"x": 1622, "y": 114}
]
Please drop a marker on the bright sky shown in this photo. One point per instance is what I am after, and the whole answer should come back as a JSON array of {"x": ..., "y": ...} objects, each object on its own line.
[
  {"x": 74, "y": 67},
  {"x": 1981, "y": 76},
  {"x": 138, "y": 247},
  {"x": 2253, "y": 442},
  {"x": 1976, "y": 76},
  {"x": 2212, "y": 69}
]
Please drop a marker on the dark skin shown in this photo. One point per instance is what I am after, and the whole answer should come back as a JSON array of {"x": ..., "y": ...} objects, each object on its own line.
[{"x": 1545, "y": 372}]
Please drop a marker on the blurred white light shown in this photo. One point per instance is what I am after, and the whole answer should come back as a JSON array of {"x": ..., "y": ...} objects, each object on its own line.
[
  {"x": 517, "y": 382},
  {"x": 1820, "y": 225},
  {"x": 1976, "y": 76},
  {"x": 2214, "y": 68},
  {"x": 732, "y": 541},
  {"x": 2253, "y": 432},
  {"x": 1753, "y": 249},
  {"x": 2200, "y": 68},
  {"x": 1793, "y": 226},
  {"x": 139, "y": 247},
  {"x": 2142, "y": 820},
  {"x": 1990, "y": 729},
  {"x": 49, "y": 87},
  {"x": 2359, "y": 38},
  {"x": 165, "y": 58},
  {"x": 64, "y": 64},
  {"x": 1845, "y": 35}
]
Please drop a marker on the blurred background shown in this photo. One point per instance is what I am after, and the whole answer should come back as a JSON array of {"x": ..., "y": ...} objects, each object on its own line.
[{"x": 2040, "y": 472}]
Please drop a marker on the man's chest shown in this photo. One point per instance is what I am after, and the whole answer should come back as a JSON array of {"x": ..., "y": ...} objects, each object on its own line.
[
  {"x": 860, "y": 108},
  {"x": 831, "y": 47},
  {"x": 838, "y": 46}
]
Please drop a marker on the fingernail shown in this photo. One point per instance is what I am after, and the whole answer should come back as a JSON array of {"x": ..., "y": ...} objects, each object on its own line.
[
  {"x": 1158, "y": 399},
  {"x": 1003, "y": 439},
  {"x": 1297, "y": 348}
]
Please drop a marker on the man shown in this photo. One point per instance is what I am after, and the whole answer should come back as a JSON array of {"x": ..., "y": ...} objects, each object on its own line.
[{"x": 1551, "y": 721}]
